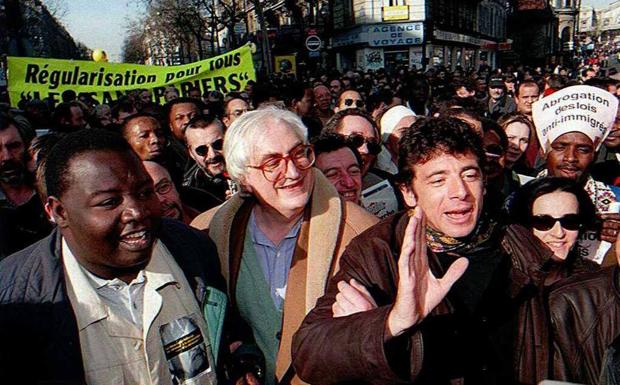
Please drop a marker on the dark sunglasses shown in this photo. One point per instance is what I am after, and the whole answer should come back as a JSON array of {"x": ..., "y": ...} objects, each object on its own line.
[
  {"x": 358, "y": 103},
  {"x": 546, "y": 222},
  {"x": 357, "y": 141},
  {"x": 494, "y": 150},
  {"x": 203, "y": 149}
]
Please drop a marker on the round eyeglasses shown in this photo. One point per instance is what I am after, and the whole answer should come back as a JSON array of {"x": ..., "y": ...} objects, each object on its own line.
[{"x": 275, "y": 167}]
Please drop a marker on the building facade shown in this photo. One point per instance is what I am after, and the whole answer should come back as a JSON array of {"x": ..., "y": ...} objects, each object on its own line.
[
  {"x": 393, "y": 33},
  {"x": 533, "y": 27},
  {"x": 567, "y": 12},
  {"x": 30, "y": 30},
  {"x": 608, "y": 22}
]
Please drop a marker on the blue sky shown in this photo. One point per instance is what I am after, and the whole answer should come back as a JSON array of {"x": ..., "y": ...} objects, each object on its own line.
[{"x": 101, "y": 23}]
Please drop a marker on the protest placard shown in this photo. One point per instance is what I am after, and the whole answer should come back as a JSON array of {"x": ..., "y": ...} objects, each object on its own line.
[
  {"x": 586, "y": 109},
  {"x": 40, "y": 78},
  {"x": 379, "y": 199}
]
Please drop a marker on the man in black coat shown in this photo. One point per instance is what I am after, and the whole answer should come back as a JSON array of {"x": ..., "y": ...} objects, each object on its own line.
[{"x": 107, "y": 217}]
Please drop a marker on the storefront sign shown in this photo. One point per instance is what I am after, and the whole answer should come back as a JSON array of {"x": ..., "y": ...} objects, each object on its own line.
[
  {"x": 385, "y": 35},
  {"x": 396, "y": 13},
  {"x": 354, "y": 36},
  {"x": 456, "y": 37},
  {"x": 382, "y": 35}
]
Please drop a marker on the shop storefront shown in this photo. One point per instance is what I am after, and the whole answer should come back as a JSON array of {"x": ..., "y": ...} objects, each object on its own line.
[
  {"x": 454, "y": 49},
  {"x": 374, "y": 46}
]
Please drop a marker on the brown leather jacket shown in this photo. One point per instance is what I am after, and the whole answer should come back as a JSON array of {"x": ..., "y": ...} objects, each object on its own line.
[
  {"x": 585, "y": 318},
  {"x": 330, "y": 350}
]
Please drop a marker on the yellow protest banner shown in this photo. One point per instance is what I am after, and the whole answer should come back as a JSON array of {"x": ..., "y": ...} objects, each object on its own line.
[{"x": 39, "y": 78}]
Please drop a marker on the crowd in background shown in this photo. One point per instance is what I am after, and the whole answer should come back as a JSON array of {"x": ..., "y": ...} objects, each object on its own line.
[{"x": 342, "y": 150}]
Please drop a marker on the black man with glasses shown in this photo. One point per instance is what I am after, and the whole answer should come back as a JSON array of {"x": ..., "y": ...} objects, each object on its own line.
[{"x": 204, "y": 135}]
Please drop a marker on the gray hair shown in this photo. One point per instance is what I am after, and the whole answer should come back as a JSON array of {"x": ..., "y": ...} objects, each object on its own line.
[{"x": 243, "y": 132}]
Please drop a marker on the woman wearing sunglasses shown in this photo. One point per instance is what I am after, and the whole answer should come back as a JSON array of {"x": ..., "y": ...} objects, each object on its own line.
[{"x": 557, "y": 211}]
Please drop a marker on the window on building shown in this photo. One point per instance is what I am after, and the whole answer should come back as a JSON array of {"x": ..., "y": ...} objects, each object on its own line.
[{"x": 348, "y": 13}]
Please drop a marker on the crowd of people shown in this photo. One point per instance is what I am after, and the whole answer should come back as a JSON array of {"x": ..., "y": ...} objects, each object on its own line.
[{"x": 358, "y": 227}]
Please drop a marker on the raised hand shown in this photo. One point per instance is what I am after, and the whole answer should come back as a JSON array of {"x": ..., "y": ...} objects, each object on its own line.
[
  {"x": 610, "y": 227},
  {"x": 419, "y": 292},
  {"x": 352, "y": 298}
]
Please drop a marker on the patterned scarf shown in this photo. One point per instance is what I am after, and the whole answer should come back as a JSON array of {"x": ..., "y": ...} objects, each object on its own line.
[{"x": 441, "y": 243}]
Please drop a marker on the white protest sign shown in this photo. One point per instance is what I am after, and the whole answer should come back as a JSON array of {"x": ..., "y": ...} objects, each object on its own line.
[
  {"x": 588, "y": 245},
  {"x": 586, "y": 109},
  {"x": 380, "y": 199}
]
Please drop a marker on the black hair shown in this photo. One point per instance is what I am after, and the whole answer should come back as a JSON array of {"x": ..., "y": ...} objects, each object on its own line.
[
  {"x": 41, "y": 146},
  {"x": 25, "y": 133},
  {"x": 330, "y": 142},
  {"x": 63, "y": 112},
  {"x": 234, "y": 95},
  {"x": 201, "y": 121},
  {"x": 122, "y": 106},
  {"x": 263, "y": 92},
  {"x": 57, "y": 176},
  {"x": 168, "y": 106},
  {"x": 468, "y": 83},
  {"x": 597, "y": 82},
  {"x": 510, "y": 78},
  {"x": 431, "y": 136},
  {"x": 474, "y": 107},
  {"x": 375, "y": 99},
  {"x": 490, "y": 125},
  {"x": 68, "y": 96},
  {"x": 335, "y": 122},
  {"x": 293, "y": 93},
  {"x": 585, "y": 71},
  {"x": 6, "y": 121},
  {"x": 128, "y": 119},
  {"x": 230, "y": 99},
  {"x": 521, "y": 206}
]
